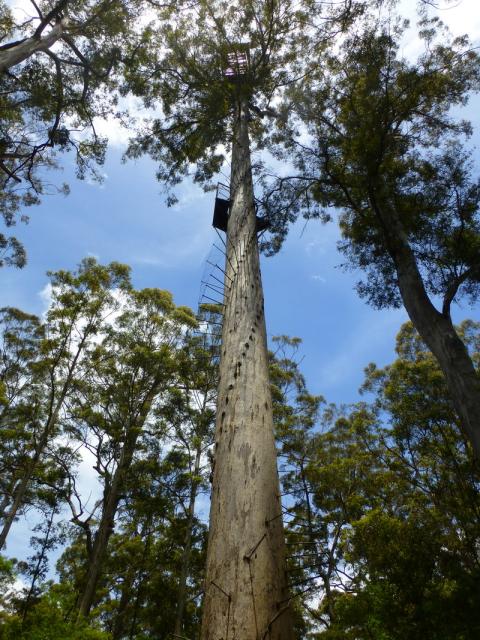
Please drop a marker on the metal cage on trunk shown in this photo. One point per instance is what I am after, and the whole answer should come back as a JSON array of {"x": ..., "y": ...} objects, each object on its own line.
[{"x": 237, "y": 63}]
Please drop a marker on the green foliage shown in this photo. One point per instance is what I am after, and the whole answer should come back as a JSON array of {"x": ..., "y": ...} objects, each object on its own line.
[
  {"x": 182, "y": 68},
  {"x": 47, "y": 622},
  {"x": 41, "y": 365},
  {"x": 54, "y": 92},
  {"x": 387, "y": 510},
  {"x": 122, "y": 374},
  {"x": 386, "y": 146},
  {"x": 382, "y": 499}
]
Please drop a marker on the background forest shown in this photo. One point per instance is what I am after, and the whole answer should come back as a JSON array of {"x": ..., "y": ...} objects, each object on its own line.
[{"x": 107, "y": 393}]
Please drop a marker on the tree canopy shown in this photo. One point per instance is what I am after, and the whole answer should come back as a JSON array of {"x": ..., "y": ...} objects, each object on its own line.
[{"x": 61, "y": 64}]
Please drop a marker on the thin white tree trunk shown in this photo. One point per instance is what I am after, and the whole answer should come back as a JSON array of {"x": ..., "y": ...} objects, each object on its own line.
[
  {"x": 182, "y": 589},
  {"x": 246, "y": 596},
  {"x": 28, "y": 47}
]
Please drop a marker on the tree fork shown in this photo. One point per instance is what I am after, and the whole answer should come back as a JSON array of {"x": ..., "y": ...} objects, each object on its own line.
[
  {"x": 23, "y": 49},
  {"x": 245, "y": 585},
  {"x": 436, "y": 330}
]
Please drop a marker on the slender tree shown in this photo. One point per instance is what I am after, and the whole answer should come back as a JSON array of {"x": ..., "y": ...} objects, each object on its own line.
[
  {"x": 80, "y": 302},
  {"x": 133, "y": 365}
]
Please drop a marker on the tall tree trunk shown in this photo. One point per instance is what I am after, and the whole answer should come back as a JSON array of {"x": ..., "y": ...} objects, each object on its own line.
[
  {"x": 246, "y": 596},
  {"x": 38, "y": 565},
  {"x": 109, "y": 511},
  {"x": 23, "y": 49},
  {"x": 436, "y": 330},
  {"x": 105, "y": 528},
  {"x": 182, "y": 588}
]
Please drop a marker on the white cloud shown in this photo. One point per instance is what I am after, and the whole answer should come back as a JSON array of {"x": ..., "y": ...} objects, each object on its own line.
[
  {"x": 317, "y": 246},
  {"x": 45, "y": 296},
  {"x": 319, "y": 278}
]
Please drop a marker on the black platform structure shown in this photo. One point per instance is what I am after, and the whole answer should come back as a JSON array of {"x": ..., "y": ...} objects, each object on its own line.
[{"x": 222, "y": 209}]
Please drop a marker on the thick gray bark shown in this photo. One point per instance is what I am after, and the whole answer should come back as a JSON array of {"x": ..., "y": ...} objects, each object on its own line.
[
  {"x": 436, "y": 330},
  {"x": 25, "y": 48},
  {"x": 246, "y": 595}
]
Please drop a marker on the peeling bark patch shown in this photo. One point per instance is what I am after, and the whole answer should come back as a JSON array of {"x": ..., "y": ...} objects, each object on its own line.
[{"x": 245, "y": 452}]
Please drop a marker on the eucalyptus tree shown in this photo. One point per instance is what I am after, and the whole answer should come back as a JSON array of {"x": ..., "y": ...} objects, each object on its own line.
[
  {"x": 376, "y": 489},
  {"x": 386, "y": 151},
  {"x": 421, "y": 507},
  {"x": 190, "y": 424},
  {"x": 20, "y": 347},
  {"x": 133, "y": 366},
  {"x": 60, "y": 65},
  {"x": 219, "y": 70},
  {"x": 41, "y": 362}
]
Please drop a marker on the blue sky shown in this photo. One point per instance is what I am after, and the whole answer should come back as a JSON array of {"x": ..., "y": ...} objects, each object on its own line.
[{"x": 125, "y": 219}]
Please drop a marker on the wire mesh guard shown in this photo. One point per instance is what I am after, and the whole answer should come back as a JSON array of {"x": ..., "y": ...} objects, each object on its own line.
[{"x": 211, "y": 302}]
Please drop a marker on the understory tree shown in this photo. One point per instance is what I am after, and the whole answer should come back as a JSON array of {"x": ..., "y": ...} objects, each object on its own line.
[
  {"x": 114, "y": 401},
  {"x": 40, "y": 365},
  {"x": 383, "y": 508},
  {"x": 120, "y": 381}
]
